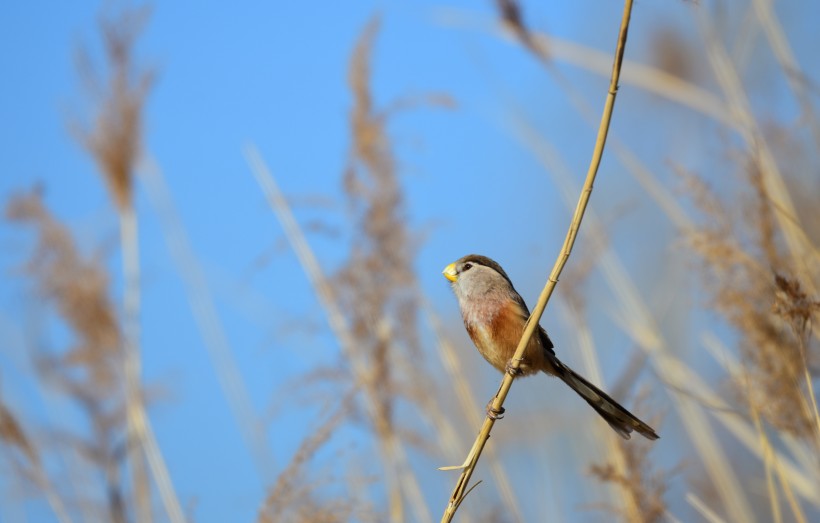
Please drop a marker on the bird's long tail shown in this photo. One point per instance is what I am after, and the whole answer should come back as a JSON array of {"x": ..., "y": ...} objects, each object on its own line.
[{"x": 620, "y": 419}]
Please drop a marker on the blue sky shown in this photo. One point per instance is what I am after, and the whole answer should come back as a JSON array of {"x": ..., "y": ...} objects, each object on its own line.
[{"x": 273, "y": 74}]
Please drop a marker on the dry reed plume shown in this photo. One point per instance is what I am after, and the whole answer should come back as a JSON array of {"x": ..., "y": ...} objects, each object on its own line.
[
  {"x": 89, "y": 371},
  {"x": 755, "y": 286},
  {"x": 101, "y": 374},
  {"x": 13, "y": 435},
  {"x": 293, "y": 496},
  {"x": 113, "y": 138},
  {"x": 375, "y": 284},
  {"x": 638, "y": 480},
  {"x": 374, "y": 297}
]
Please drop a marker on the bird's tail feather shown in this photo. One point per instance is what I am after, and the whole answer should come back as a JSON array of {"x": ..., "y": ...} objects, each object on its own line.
[{"x": 620, "y": 419}]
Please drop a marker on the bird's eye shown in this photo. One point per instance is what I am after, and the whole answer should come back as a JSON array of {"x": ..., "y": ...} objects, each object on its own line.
[{"x": 467, "y": 266}]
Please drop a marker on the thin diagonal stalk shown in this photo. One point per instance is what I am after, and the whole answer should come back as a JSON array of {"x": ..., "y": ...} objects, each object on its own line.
[
  {"x": 633, "y": 164},
  {"x": 393, "y": 454},
  {"x": 38, "y": 473},
  {"x": 52, "y": 497},
  {"x": 770, "y": 456},
  {"x": 13, "y": 435},
  {"x": 160, "y": 471},
  {"x": 541, "y": 47},
  {"x": 707, "y": 513},
  {"x": 592, "y": 370},
  {"x": 811, "y": 400},
  {"x": 811, "y": 397},
  {"x": 462, "y": 484},
  {"x": 207, "y": 319},
  {"x": 650, "y": 79},
  {"x": 70, "y": 461},
  {"x": 788, "y": 491},
  {"x": 788, "y": 62},
  {"x": 396, "y": 449},
  {"x": 769, "y": 459},
  {"x": 803, "y": 253},
  {"x": 637, "y": 321}
]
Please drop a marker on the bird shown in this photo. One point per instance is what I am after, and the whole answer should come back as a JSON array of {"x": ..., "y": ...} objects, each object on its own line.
[{"x": 495, "y": 316}]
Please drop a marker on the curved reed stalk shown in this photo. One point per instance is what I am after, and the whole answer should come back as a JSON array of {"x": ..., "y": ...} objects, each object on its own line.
[{"x": 461, "y": 488}]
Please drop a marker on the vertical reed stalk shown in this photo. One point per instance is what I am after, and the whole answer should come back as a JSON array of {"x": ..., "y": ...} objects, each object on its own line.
[{"x": 129, "y": 245}]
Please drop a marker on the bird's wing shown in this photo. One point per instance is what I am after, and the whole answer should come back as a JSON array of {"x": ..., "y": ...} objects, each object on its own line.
[{"x": 524, "y": 312}]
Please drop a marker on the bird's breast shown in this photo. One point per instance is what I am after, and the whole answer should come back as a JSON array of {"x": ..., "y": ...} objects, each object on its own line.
[{"x": 496, "y": 331}]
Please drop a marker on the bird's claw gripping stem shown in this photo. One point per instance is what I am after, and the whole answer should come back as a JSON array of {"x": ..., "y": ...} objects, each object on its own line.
[
  {"x": 513, "y": 371},
  {"x": 495, "y": 414}
]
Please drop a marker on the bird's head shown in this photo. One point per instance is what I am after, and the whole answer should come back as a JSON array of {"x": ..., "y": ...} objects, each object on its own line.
[{"x": 475, "y": 276}]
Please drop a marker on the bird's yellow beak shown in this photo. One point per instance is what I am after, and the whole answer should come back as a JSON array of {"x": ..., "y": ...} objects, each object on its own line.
[{"x": 450, "y": 272}]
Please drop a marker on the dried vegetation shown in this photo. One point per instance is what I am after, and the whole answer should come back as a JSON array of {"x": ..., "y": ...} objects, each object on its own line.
[{"x": 754, "y": 258}]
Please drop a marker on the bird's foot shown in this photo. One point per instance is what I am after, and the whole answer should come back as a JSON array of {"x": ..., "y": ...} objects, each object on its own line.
[
  {"x": 494, "y": 414},
  {"x": 514, "y": 371}
]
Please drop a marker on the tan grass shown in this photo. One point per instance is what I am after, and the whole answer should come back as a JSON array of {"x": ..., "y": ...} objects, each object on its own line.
[
  {"x": 378, "y": 255},
  {"x": 14, "y": 436},
  {"x": 767, "y": 228},
  {"x": 626, "y": 467},
  {"x": 773, "y": 462},
  {"x": 327, "y": 297},
  {"x": 803, "y": 254},
  {"x": 631, "y": 471},
  {"x": 114, "y": 136},
  {"x": 291, "y": 498},
  {"x": 642, "y": 327},
  {"x": 619, "y": 467},
  {"x": 372, "y": 299},
  {"x": 706, "y": 512},
  {"x": 795, "y": 76},
  {"x": 89, "y": 371},
  {"x": 114, "y": 141},
  {"x": 744, "y": 291}
]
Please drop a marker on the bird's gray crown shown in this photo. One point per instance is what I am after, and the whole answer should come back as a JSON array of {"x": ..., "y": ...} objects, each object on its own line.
[{"x": 485, "y": 261}]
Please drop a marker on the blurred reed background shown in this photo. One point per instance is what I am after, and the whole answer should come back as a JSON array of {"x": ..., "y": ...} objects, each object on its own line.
[{"x": 221, "y": 297}]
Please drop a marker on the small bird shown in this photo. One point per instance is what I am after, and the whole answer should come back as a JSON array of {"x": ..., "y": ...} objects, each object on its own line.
[{"x": 495, "y": 315}]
